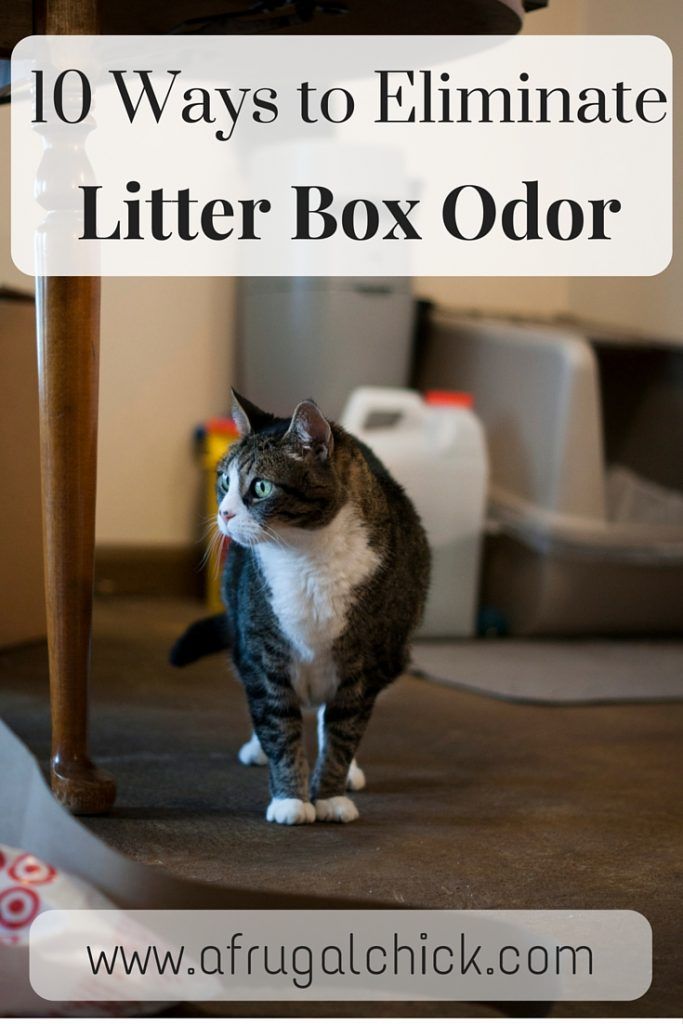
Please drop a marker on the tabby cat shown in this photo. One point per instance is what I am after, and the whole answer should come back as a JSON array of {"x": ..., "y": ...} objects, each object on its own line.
[{"x": 325, "y": 580}]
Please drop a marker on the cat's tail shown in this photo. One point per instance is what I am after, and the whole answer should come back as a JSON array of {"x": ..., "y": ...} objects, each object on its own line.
[{"x": 206, "y": 636}]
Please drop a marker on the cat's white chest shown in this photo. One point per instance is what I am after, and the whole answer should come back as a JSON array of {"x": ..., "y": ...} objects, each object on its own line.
[{"x": 312, "y": 577}]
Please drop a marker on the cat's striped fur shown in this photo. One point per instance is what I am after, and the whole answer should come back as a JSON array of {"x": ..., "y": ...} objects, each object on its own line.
[{"x": 324, "y": 583}]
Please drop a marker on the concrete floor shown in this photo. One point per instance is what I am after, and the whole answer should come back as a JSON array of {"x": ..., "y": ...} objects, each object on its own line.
[{"x": 471, "y": 802}]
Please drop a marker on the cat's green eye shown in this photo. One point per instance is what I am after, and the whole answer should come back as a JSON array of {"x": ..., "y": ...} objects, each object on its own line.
[
  {"x": 262, "y": 489},
  {"x": 224, "y": 481}
]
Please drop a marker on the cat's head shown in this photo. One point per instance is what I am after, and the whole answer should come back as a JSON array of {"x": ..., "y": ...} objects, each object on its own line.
[{"x": 279, "y": 477}]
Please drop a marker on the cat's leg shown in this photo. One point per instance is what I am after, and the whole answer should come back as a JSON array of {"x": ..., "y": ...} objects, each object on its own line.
[
  {"x": 355, "y": 777},
  {"x": 342, "y": 723},
  {"x": 252, "y": 752},
  {"x": 278, "y": 726}
]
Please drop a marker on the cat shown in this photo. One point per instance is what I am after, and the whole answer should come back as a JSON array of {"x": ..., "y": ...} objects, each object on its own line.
[{"x": 325, "y": 580}]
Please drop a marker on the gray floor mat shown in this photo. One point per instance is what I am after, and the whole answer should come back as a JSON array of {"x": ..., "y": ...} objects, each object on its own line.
[{"x": 557, "y": 671}]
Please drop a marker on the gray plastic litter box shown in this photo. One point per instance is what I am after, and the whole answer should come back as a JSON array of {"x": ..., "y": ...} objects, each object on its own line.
[
  {"x": 585, "y": 435},
  {"x": 321, "y": 337}
]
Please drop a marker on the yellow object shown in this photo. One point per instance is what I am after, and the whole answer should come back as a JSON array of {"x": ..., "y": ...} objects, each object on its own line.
[{"x": 216, "y": 436}]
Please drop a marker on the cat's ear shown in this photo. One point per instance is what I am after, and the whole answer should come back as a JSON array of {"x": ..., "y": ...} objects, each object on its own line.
[
  {"x": 248, "y": 418},
  {"x": 311, "y": 430}
]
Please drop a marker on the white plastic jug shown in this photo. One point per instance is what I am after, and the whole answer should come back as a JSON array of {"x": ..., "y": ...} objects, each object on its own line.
[{"x": 436, "y": 449}]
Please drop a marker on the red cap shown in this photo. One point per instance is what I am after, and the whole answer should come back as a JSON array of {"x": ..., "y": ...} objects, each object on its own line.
[
  {"x": 464, "y": 399},
  {"x": 221, "y": 425}
]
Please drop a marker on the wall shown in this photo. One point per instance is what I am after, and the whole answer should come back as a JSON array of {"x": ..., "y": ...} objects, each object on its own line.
[
  {"x": 653, "y": 305},
  {"x": 166, "y": 354},
  {"x": 166, "y": 359},
  {"x": 9, "y": 275},
  {"x": 544, "y": 296}
]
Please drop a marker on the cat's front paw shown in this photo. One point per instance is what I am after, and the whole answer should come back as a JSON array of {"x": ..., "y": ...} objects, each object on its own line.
[
  {"x": 336, "y": 808},
  {"x": 289, "y": 811}
]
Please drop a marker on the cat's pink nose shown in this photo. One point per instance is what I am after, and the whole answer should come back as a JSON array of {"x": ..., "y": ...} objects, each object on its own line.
[{"x": 228, "y": 516}]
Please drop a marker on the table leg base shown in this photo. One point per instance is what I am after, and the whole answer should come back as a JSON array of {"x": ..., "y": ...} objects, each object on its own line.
[{"x": 82, "y": 787}]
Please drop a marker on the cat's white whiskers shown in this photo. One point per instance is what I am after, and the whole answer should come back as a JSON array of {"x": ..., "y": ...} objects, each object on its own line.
[
  {"x": 274, "y": 535},
  {"x": 212, "y": 550},
  {"x": 207, "y": 553},
  {"x": 208, "y": 531}
]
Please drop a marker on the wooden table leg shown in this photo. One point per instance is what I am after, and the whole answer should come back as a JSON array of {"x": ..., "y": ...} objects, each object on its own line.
[
  {"x": 68, "y": 327},
  {"x": 68, "y": 311}
]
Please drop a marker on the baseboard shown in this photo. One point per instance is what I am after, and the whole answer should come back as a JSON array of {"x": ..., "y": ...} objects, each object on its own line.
[{"x": 148, "y": 570}]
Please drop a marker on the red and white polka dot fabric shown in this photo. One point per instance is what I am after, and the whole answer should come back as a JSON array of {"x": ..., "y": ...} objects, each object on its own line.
[
  {"x": 24, "y": 882},
  {"x": 28, "y": 886}
]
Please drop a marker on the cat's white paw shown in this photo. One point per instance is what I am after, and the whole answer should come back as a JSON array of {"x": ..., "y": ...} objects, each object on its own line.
[
  {"x": 290, "y": 812},
  {"x": 336, "y": 808},
  {"x": 355, "y": 779},
  {"x": 252, "y": 752}
]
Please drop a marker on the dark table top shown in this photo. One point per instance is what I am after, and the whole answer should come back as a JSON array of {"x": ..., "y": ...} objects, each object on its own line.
[{"x": 19, "y": 18}]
